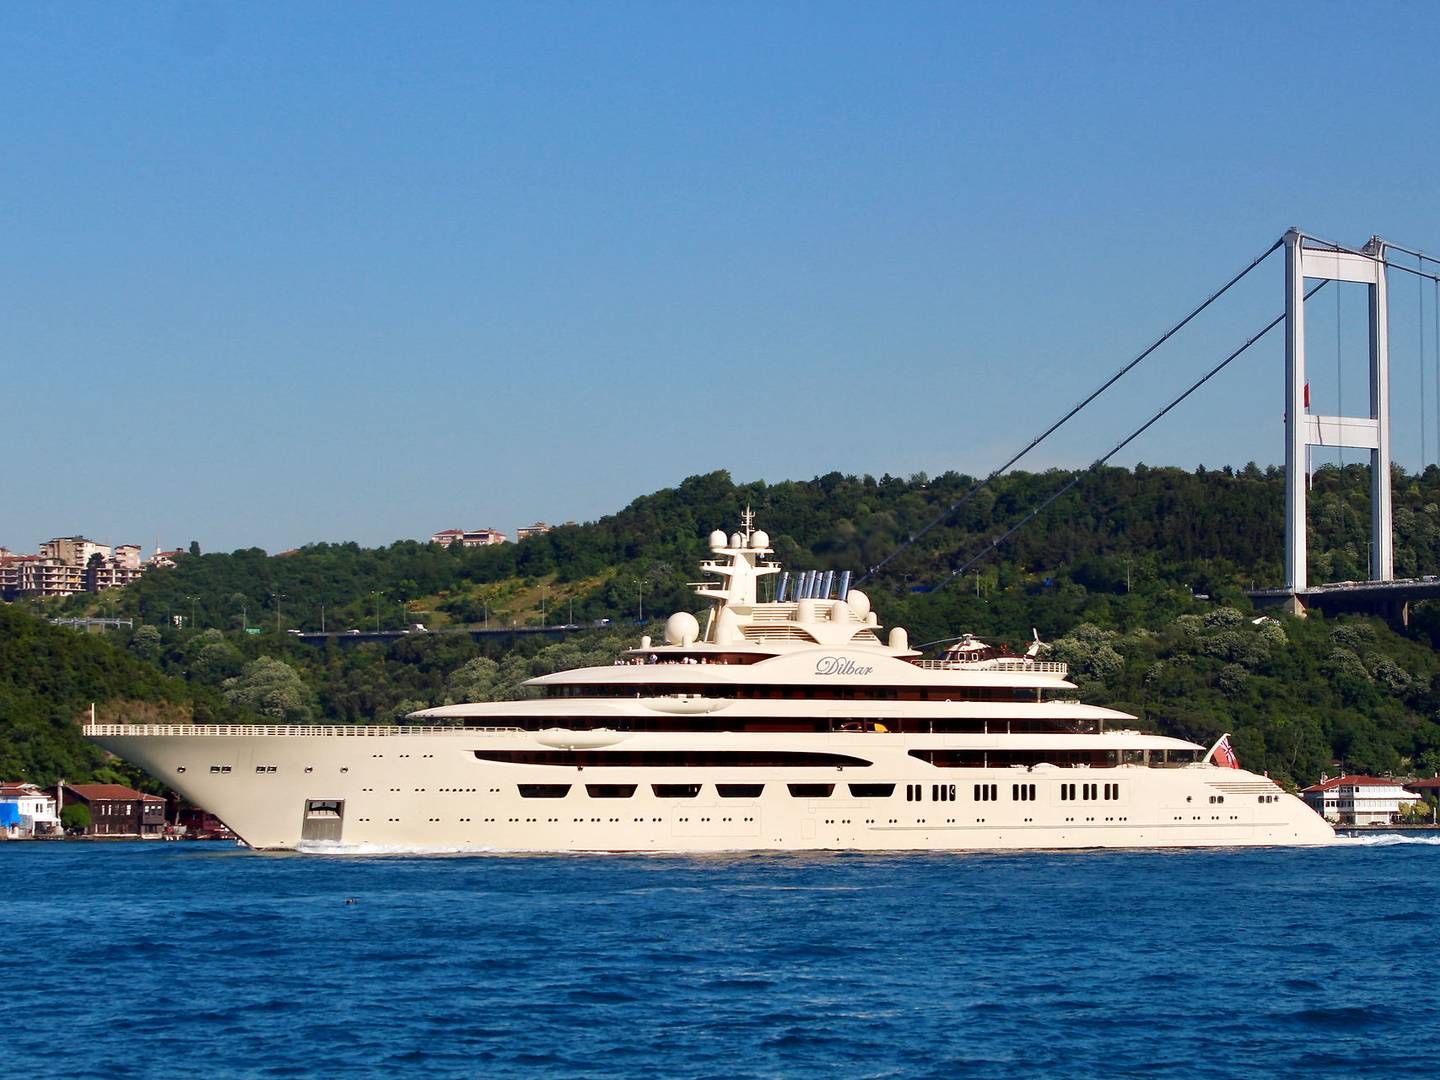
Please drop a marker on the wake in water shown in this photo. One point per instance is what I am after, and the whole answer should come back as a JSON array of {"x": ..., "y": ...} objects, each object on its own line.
[
  {"x": 1386, "y": 839},
  {"x": 330, "y": 847}
]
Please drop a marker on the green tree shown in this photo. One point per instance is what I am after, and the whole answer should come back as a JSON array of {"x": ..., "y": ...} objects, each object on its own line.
[
  {"x": 271, "y": 688},
  {"x": 146, "y": 642},
  {"x": 75, "y": 816}
]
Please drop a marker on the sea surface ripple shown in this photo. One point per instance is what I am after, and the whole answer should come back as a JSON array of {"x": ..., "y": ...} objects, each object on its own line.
[{"x": 139, "y": 960}]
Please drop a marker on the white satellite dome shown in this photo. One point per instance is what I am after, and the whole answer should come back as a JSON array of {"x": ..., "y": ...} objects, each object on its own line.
[
  {"x": 717, "y": 540},
  {"x": 759, "y": 539},
  {"x": 682, "y": 628},
  {"x": 859, "y": 601}
]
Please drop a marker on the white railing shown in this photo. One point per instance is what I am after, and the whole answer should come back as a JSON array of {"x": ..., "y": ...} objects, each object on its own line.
[
  {"x": 306, "y": 730},
  {"x": 1047, "y": 667}
]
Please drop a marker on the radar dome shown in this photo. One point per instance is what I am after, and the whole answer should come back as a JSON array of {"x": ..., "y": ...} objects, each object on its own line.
[
  {"x": 681, "y": 628},
  {"x": 736, "y": 540},
  {"x": 859, "y": 601},
  {"x": 717, "y": 540},
  {"x": 899, "y": 639},
  {"x": 759, "y": 539}
]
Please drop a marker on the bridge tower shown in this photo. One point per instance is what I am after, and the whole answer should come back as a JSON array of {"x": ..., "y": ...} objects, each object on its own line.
[{"x": 1306, "y": 258}]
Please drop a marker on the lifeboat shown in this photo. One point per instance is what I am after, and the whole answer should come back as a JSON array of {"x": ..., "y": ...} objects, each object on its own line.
[{"x": 571, "y": 739}]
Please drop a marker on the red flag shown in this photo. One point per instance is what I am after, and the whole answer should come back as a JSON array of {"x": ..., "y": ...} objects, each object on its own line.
[
  {"x": 1224, "y": 754},
  {"x": 1307, "y": 395}
]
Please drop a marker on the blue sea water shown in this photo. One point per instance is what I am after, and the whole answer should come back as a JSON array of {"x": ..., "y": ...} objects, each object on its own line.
[{"x": 200, "y": 960}]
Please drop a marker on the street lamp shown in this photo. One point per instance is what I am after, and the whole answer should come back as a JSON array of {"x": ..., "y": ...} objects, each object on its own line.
[
  {"x": 377, "y": 593},
  {"x": 192, "y": 600},
  {"x": 640, "y": 587},
  {"x": 544, "y": 595},
  {"x": 276, "y": 597}
]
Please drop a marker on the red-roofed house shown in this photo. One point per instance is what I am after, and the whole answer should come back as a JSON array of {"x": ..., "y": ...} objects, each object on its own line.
[
  {"x": 116, "y": 810},
  {"x": 1429, "y": 790},
  {"x": 1358, "y": 800}
]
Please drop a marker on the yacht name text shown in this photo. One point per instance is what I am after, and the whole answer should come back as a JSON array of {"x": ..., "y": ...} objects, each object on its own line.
[{"x": 840, "y": 665}]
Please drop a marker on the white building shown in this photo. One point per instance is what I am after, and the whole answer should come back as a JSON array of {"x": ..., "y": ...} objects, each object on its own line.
[
  {"x": 35, "y": 813},
  {"x": 1358, "y": 800},
  {"x": 468, "y": 537}
]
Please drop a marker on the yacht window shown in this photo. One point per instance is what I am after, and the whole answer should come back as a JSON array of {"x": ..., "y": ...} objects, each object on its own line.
[
  {"x": 811, "y": 791},
  {"x": 675, "y": 791},
  {"x": 739, "y": 791},
  {"x": 543, "y": 791},
  {"x": 766, "y": 759},
  {"x": 610, "y": 791},
  {"x": 872, "y": 791}
]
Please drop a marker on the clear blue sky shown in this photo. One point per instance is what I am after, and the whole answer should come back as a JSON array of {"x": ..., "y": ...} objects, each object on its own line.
[{"x": 277, "y": 273}]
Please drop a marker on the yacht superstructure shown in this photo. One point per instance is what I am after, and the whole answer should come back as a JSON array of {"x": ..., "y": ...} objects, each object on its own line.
[{"x": 786, "y": 724}]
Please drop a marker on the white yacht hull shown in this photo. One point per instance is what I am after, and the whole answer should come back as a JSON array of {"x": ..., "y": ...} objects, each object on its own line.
[{"x": 425, "y": 789}]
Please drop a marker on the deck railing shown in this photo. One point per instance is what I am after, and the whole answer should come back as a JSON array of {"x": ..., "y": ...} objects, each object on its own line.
[
  {"x": 1047, "y": 667},
  {"x": 303, "y": 730}
]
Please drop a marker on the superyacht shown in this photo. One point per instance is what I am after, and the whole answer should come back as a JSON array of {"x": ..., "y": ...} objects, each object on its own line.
[{"x": 784, "y": 724}]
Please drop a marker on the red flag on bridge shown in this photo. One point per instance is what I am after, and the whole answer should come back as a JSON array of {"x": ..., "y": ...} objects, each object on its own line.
[{"x": 1307, "y": 395}]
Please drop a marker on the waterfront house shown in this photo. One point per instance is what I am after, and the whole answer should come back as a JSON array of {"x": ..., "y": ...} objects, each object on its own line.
[
  {"x": 116, "y": 810},
  {"x": 27, "y": 810},
  {"x": 1358, "y": 800},
  {"x": 199, "y": 823},
  {"x": 1428, "y": 789}
]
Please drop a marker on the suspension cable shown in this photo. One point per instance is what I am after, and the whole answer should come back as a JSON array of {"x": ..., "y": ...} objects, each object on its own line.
[
  {"x": 1417, "y": 254},
  {"x": 1410, "y": 270},
  {"x": 1111, "y": 381},
  {"x": 1073, "y": 481},
  {"x": 1420, "y": 296}
]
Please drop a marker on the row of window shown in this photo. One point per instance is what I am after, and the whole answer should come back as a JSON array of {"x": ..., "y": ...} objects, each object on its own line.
[
  {"x": 700, "y": 759},
  {"x": 798, "y": 693},
  {"x": 913, "y": 792},
  {"x": 691, "y": 791},
  {"x": 670, "y": 759},
  {"x": 1089, "y": 792},
  {"x": 938, "y": 792}
]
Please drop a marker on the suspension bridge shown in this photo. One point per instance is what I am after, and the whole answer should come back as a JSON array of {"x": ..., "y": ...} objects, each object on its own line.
[{"x": 1310, "y": 264}]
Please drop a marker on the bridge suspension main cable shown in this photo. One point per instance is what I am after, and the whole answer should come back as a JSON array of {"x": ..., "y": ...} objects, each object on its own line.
[
  {"x": 981, "y": 485},
  {"x": 1075, "y": 480}
]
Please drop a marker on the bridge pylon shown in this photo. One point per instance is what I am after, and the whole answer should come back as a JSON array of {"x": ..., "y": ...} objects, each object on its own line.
[{"x": 1308, "y": 258}]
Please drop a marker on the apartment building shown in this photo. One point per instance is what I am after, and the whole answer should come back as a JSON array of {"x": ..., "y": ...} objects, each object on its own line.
[{"x": 66, "y": 565}]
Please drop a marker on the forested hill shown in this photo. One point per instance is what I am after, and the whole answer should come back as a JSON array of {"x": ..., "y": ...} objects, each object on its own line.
[
  {"x": 1135, "y": 576},
  {"x": 48, "y": 679},
  {"x": 1214, "y": 531}
]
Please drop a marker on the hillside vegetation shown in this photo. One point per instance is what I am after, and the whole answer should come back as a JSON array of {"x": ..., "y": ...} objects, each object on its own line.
[{"x": 1113, "y": 574}]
